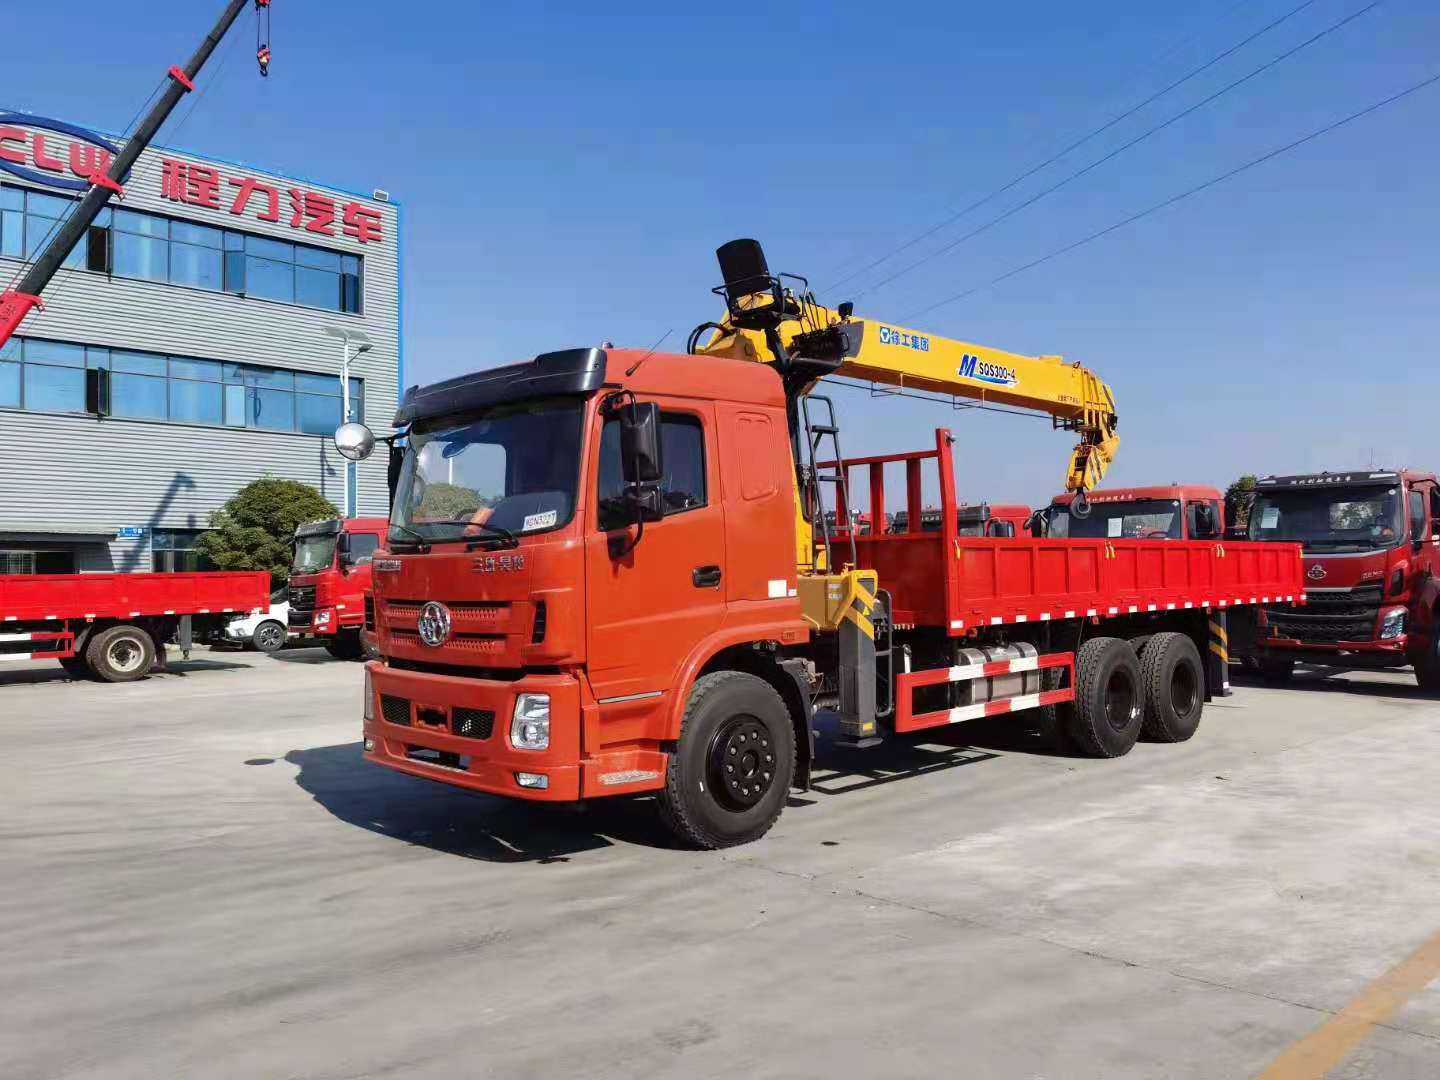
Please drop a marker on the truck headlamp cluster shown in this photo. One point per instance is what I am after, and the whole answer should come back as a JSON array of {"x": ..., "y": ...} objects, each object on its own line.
[
  {"x": 530, "y": 726},
  {"x": 1392, "y": 625},
  {"x": 322, "y": 618}
]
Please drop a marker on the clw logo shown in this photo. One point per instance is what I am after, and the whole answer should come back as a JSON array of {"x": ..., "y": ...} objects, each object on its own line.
[{"x": 44, "y": 159}]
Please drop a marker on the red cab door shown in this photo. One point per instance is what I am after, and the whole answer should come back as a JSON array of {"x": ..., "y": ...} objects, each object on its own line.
[{"x": 650, "y": 606}]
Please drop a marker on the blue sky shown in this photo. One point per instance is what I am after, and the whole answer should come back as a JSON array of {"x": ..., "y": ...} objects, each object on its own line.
[{"x": 567, "y": 170}]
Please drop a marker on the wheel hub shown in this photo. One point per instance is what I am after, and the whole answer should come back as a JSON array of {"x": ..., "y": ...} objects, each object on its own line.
[
  {"x": 741, "y": 765},
  {"x": 1121, "y": 701},
  {"x": 125, "y": 654}
]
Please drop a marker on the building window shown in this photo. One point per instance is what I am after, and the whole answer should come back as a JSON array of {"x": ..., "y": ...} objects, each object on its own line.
[
  {"x": 173, "y": 550},
  {"x": 151, "y": 247},
  {"x": 37, "y": 562},
  {"x": 49, "y": 376}
]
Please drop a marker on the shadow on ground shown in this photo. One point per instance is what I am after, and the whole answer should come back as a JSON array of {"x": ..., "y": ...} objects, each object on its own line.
[
  {"x": 52, "y": 672},
  {"x": 471, "y": 825},
  {"x": 308, "y": 654},
  {"x": 1327, "y": 680},
  {"x": 495, "y": 829}
]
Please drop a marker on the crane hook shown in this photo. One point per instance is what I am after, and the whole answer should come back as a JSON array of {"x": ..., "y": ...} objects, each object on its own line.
[
  {"x": 262, "y": 36},
  {"x": 1080, "y": 505}
]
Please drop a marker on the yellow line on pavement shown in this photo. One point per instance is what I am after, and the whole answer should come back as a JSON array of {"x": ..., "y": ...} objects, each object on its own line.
[{"x": 1329, "y": 1044}]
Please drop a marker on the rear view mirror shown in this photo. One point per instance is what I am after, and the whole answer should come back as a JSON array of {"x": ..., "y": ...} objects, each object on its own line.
[
  {"x": 354, "y": 442},
  {"x": 640, "y": 443}
]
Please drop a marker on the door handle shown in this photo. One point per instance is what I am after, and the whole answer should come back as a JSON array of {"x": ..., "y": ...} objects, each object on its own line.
[{"x": 705, "y": 577}]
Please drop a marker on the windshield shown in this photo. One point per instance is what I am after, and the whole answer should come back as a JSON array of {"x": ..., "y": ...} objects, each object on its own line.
[
  {"x": 1143, "y": 519},
  {"x": 510, "y": 469},
  {"x": 313, "y": 553},
  {"x": 1334, "y": 519}
]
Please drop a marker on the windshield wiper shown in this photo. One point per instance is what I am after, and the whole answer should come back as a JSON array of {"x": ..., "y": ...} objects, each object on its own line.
[
  {"x": 422, "y": 542},
  {"x": 505, "y": 536}
]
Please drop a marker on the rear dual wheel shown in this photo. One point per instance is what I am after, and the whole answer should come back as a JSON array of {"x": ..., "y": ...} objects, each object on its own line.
[
  {"x": 1173, "y": 681},
  {"x": 1108, "y": 711}
]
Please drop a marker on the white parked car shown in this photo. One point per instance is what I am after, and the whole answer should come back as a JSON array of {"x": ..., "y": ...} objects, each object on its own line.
[{"x": 261, "y": 629}]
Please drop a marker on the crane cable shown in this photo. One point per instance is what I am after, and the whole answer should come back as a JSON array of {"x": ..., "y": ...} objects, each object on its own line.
[
  {"x": 1157, "y": 207},
  {"x": 262, "y": 36},
  {"x": 1156, "y": 129},
  {"x": 1074, "y": 145}
]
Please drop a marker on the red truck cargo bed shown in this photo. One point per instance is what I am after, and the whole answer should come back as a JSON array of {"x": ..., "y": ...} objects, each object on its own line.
[{"x": 38, "y": 597}]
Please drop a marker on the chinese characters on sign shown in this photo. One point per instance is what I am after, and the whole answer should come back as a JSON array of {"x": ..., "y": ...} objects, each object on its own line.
[{"x": 244, "y": 196}]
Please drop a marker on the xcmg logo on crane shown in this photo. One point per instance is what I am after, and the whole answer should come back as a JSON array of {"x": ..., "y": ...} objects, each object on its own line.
[{"x": 972, "y": 367}]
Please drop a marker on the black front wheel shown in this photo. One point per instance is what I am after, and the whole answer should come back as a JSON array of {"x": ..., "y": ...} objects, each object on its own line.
[
  {"x": 731, "y": 770},
  {"x": 345, "y": 646}
]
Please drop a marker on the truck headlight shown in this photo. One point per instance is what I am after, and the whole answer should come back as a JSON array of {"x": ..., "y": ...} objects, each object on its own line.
[
  {"x": 369, "y": 697},
  {"x": 530, "y": 726},
  {"x": 322, "y": 618},
  {"x": 1392, "y": 625}
]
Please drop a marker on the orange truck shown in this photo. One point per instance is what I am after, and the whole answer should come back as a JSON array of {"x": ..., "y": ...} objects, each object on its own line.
[{"x": 611, "y": 572}]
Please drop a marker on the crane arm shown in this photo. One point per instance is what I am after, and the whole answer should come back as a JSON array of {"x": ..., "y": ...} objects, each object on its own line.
[
  {"x": 889, "y": 355},
  {"x": 17, "y": 303}
]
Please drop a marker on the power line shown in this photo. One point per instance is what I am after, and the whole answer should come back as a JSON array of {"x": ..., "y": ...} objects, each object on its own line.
[
  {"x": 1148, "y": 211},
  {"x": 1286, "y": 55},
  {"x": 1073, "y": 145}
]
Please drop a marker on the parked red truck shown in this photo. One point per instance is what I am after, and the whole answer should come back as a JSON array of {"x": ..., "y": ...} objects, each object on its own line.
[
  {"x": 330, "y": 581},
  {"x": 1159, "y": 512},
  {"x": 1371, "y": 540},
  {"x": 114, "y": 626}
]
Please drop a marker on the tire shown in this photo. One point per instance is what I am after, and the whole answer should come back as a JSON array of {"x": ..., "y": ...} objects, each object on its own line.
[
  {"x": 1108, "y": 712},
  {"x": 345, "y": 646},
  {"x": 1139, "y": 644},
  {"x": 1276, "y": 671},
  {"x": 76, "y": 667},
  {"x": 120, "y": 654},
  {"x": 1173, "y": 679},
  {"x": 269, "y": 637},
  {"x": 1427, "y": 667},
  {"x": 705, "y": 802}
]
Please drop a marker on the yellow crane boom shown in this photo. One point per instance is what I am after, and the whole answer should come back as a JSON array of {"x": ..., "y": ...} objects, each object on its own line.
[{"x": 897, "y": 356}]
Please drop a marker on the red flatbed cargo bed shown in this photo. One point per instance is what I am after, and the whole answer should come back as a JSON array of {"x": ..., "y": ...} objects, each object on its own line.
[
  {"x": 115, "y": 626},
  {"x": 44, "y": 597}
]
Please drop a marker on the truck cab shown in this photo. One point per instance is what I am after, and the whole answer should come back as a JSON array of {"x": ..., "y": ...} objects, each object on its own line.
[
  {"x": 330, "y": 578},
  {"x": 1369, "y": 539},
  {"x": 971, "y": 519},
  {"x": 1165, "y": 512}
]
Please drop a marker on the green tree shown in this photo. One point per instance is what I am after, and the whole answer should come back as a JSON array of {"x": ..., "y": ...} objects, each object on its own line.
[
  {"x": 254, "y": 529},
  {"x": 1239, "y": 497},
  {"x": 443, "y": 502}
]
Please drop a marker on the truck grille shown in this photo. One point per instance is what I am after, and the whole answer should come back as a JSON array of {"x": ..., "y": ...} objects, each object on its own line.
[
  {"x": 472, "y": 723},
  {"x": 395, "y": 710},
  {"x": 1343, "y": 615},
  {"x": 302, "y": 598}
]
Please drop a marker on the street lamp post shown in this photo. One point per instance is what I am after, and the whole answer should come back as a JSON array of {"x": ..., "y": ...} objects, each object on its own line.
[{"x": 362, "y": 345}]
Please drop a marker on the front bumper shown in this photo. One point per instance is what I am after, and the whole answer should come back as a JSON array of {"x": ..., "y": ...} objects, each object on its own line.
[
  {"x": 1374, "y": 653},
  {"x": 485, "y": 762}
]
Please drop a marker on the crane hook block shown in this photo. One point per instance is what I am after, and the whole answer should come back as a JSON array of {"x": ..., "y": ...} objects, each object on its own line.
[{"x": 263, "y": 56}]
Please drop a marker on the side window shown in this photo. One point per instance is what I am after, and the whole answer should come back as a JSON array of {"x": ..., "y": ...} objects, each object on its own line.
[
  {"x": 362, "y": 548},
  {"x": 1418, "y": 530},
  {"x": 1001, "y": 528},
  {"x": 682, "y": 442},
  {"x": 1204, "y": 520},
  {"x": 1435, "y": 513}
]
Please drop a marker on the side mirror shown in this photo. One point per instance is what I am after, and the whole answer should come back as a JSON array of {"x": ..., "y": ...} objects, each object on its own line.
[
  {"x": 640, "y": 456},
  {"x": 354, "y": 442}
]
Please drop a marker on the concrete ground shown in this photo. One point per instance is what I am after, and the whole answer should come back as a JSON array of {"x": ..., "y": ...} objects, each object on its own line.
[{"x": 200, "y": 878}]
